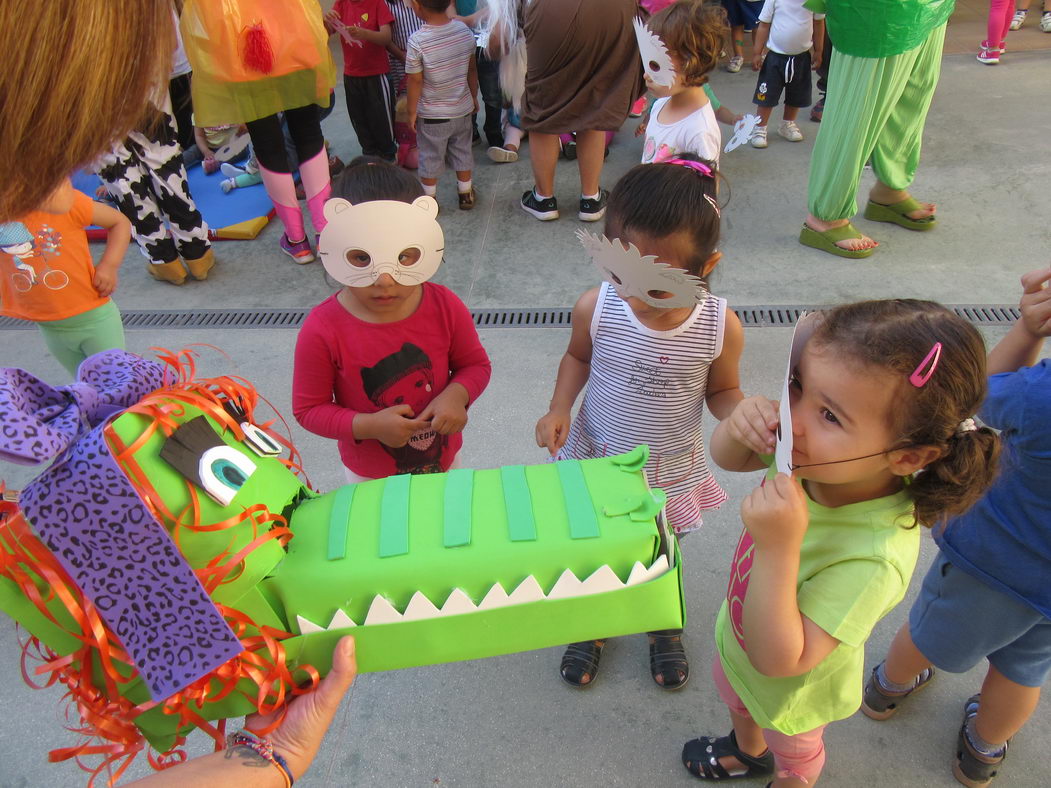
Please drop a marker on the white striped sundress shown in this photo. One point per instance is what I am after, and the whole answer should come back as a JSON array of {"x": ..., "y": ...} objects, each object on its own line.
[{"x": 648, "y": 386}]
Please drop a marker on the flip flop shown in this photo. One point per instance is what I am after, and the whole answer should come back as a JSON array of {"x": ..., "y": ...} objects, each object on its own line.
[
  {"x": 895, "y": 212},
  {"x": 826, "y": 241}
]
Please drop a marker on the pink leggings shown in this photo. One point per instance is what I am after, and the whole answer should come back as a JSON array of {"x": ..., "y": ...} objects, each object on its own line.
[
  {"x": 1000, "y": 13},
  {"x": 801, "y": 756}
]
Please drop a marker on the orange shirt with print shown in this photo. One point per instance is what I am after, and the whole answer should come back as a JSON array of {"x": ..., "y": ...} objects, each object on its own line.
[{"x": 48, "y": 276}]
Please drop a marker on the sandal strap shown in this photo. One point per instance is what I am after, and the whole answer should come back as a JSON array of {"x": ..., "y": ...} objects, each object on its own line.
[
  {"x": 704, "y": 754},
  {"x": 841, "y": 233},
  {"x": 583, "y": 656}
]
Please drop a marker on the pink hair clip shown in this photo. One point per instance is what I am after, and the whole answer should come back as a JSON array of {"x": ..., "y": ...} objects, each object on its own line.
[
  {"x": 919, "y": 377},
  {"x": 698, "y": 166}
]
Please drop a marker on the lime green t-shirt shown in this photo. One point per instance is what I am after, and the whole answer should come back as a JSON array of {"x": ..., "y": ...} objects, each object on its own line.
[
  {"x": 880, "y": 28},
  {"x": 855, "y": 565}
]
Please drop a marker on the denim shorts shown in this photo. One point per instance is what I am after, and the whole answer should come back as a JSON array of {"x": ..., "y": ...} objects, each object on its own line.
[{"x": 958, "y": 620}]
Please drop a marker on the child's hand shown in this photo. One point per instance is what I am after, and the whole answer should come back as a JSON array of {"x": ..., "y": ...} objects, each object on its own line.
[
  {"x": 816, "y": 59},
  {"x": 1036, "y": 302},
  {"x": 757, "y": 61},
  {"x": 552, "y": 430},
  {"x": 391, "y": 426},
  {"x": 446, "y": 413},
  {"x": 753, "y": 424},
  {"x": 775, "y": 514},
  {"x": 105, "y": 280},
  {"x": 411, "y": 120}
]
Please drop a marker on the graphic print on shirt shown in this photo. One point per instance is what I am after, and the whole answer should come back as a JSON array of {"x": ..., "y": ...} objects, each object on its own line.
[
  {"x": 22, "y": 246},
  {"x": 654, "y": 154},
  {"x": 740, "y": 571},
  {"x": 407, "y": 377}
]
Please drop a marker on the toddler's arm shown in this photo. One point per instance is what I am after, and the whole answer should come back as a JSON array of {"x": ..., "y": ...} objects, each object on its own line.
[
  {"x": 762, "y": 35},
  {"x": 118, "y": 234},
  {"x": 781, "y": 640},
  {"x": 470, "y": 368},
  {"x": 724, "y": 383},
  {"x": 745, "y": 434},
  {"x": 202, "y": 143},
  {"x": 1021, "y": 346},
  {"x": 819, "y": 44},
  {"x": 553, "y": 428},
  {"x": 472, "y": 80}
]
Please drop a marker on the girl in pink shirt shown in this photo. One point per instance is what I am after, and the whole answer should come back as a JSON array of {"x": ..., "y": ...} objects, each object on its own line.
[{"x": 389, "y": 364}]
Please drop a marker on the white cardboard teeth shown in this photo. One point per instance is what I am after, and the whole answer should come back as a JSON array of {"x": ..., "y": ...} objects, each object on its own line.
[
  {"x": 567, "y": 585},
  {"x": 382, "y": 612},
  {"x": 458, "y": 602},
  {"x": 340, "y": 620},
  {"x": 495, "y": 597},
  {"x": 603, "y": 579},
  {"x": 528, "y": 590},
  {"x": 420, "y": 607}
]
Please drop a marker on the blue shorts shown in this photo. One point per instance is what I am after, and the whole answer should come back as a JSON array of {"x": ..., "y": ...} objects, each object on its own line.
[
  {"x": 743, "y": 13},
  {"x": 958, "y": 620}
]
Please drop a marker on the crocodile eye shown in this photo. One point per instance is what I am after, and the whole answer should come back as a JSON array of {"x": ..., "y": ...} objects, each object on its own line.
[{"x": 223, "y": 471}]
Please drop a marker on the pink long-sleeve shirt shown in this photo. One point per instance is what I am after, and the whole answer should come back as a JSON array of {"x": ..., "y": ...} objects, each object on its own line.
[{"x": 345, "y": 366}]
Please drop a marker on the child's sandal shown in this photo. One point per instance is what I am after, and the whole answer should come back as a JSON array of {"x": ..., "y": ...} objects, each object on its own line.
[
  {"x": 701, "y": 759},
  {"x": 879, "y": 704},
  {"x": 668, "y": 664},
  {"x": 970, "y": 767},
  {"x": 580, "y": 660}
]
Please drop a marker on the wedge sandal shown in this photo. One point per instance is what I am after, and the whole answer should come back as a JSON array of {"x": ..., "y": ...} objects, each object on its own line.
[
  {"x": 895, "y": 213},
  {"x": 701, "y": 759},
  {"x": 826, "y": 241}
]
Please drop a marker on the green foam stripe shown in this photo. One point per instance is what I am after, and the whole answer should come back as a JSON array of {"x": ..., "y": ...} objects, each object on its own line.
[
  {"x": 519, "y": 504},
  {"x": 339, "y": 522},
  {"x": 583, "y": 523},
  {"x": 456, "y": 525},
  {"x": 394, "y": 516}
]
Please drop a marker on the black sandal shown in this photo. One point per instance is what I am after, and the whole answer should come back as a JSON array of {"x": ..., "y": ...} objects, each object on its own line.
[
  {"x": 668, "y": 664},
  {"x": 970, "y": 767},
  {"x": 580, "y": 660},
  {"x": 701, "y": 759}
]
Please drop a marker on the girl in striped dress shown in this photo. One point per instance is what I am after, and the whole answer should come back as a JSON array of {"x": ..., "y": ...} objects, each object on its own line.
[{"x": 650, "y": 346}]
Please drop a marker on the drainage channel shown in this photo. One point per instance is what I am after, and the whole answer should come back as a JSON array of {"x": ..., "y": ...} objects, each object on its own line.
[{"x": 778, "y": 316}]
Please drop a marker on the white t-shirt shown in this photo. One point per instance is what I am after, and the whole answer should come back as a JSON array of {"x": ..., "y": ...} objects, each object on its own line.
[
  {"x": 791, "y": 26},
  {"x": 697, "y": 133}
]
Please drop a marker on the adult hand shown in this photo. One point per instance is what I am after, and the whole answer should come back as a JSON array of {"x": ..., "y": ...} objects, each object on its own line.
[
  {"x": 753, "y": 424},
  {"x": 1036, "y": 302},
  {"x": 552, "y": 430},
  {"x": 775, "y": 514},
  {"x": 308, "y": 717}
]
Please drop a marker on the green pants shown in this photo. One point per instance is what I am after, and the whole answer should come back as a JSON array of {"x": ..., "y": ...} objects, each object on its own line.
[
  {"x": 875, "y": 109},
  {"x": 74, "y": 339}
]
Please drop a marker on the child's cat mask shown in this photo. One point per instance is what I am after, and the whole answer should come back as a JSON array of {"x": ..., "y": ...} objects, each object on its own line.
[{"x": 655, "y": 58}]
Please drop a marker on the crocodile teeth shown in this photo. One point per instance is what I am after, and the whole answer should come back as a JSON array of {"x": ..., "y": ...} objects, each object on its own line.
[
  {"x": 528, "y": 590},
  {"x": 567, "y": 585},
  {"x": 420, "y": 607},
  {"x": 458, "y": 602},
  {"x": 306, "y": 626},
  {"x": 640, "y": 574},
  {"x": 382, "y": 612},
  {"x": 601, "y": 580},
  {"x": 495, "y": 597},
  {"x": 340, "y": 620}
]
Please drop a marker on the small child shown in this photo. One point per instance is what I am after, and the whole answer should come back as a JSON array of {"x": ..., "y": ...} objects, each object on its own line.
[
  {"x": 682, "y": 120},
  {"x": 211, "y": 140},
  {"x": 442, "y": 88},
  {"x": 389, "y": 364},
  {"x": 1023, "y": 11},
  {"x": 986, "y": 594},
  {"x": 650, "y": 347},
  {"x": 788, "y": 31},
  {"x": 49, "y": 277},
  {"x": 364, "y": 28},
  {"x": 405, "y": 24},
  {"x": 881, "y": 400},
  {"x": 744, "y": 17}
]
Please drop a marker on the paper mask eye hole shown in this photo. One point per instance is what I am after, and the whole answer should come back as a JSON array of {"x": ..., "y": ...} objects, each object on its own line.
[
  {"x": 659, "y": 294},
  {"x": 358, "y": 258},
  {"x": 409, "y": 256},
  {"x": 654, "y": 66},
  {"x": 224, "y": 471}
]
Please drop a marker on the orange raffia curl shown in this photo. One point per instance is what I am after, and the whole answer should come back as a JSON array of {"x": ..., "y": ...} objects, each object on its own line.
[{"x": 106, "y": 718}]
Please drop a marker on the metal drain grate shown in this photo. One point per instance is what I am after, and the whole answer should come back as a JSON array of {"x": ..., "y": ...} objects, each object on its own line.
[{"x": 751, "y": 317}]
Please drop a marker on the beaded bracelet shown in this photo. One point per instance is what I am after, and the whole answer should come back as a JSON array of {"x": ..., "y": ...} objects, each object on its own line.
[{"x": 264, "y": 748}]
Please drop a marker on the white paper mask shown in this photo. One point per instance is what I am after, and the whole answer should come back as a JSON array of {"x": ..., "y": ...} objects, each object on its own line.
[
  {"x": 805, "y": 327},
  {"x": 655, "y": 58},
  {"x": 634, "y": 274},
  {"x": 363, "y": 241},
  {"x": 742, "y": 132}
]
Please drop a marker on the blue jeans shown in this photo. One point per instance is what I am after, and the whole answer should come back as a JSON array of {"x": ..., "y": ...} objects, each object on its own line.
[{"x": 492, "y": 98}]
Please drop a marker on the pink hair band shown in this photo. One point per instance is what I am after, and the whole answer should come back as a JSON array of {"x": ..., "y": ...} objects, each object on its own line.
[{"x": 698, "y": 166}]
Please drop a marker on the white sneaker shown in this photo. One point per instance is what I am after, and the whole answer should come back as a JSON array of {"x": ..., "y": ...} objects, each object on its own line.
[
  {"x": 790, "y": 131},
  {"x": 1045, "y": 22},
  {"x": 1018, "y": 19},
  {"x": 735, "y": 64},
  {"x": 759, "y": 137}
]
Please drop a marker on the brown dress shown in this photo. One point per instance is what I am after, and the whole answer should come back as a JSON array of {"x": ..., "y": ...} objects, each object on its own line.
[{"x": 583, "y": 69}]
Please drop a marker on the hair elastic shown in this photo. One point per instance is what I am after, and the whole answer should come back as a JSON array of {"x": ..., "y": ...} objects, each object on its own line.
[
  {"x": 967, "y": 425},
  {"x": 919, "y": 377}
]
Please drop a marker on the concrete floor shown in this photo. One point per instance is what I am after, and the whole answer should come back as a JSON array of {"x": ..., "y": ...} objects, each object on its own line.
[{"x": 509, "y": 721}]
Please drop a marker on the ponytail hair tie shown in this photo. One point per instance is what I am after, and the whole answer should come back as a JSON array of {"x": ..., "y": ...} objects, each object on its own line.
[{"x": 967, "y": 425}]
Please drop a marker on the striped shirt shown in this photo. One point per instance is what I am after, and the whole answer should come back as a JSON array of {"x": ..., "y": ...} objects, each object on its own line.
[
  {"x": 648, "y": 386},
  {"x": 405, "y": 24},
  {"x": 443, "y": 53}
]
